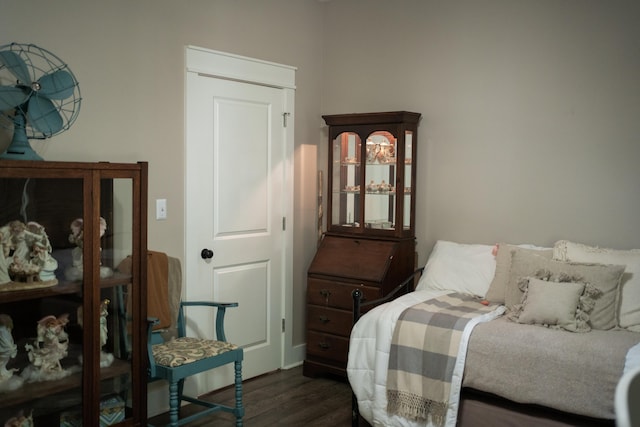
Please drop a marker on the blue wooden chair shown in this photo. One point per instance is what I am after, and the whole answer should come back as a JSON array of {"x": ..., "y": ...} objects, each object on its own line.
[{"x": 175, "y": 359}]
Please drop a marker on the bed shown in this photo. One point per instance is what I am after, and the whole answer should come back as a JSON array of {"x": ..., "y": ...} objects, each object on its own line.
[{"x": 516, "y": 365}]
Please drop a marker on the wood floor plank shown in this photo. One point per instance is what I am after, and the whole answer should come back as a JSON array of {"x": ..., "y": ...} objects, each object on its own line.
[{"x": 282, "y": 398}]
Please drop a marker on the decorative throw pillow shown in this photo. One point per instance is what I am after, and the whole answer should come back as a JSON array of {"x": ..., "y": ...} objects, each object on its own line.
[
  {"x": 629, "y": 307},
  {"x": 465, "y": 268},
  {"x": 556, "y": 305},
  {"x": 497, "y": 289},
  {"x": 606, "y": 278}
]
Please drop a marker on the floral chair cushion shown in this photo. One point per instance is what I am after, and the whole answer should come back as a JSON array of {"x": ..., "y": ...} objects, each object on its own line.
[{"x": 181, "y": 351}]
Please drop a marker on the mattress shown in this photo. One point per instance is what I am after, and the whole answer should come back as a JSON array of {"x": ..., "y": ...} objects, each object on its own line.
[{"x": 601, "y": 364}]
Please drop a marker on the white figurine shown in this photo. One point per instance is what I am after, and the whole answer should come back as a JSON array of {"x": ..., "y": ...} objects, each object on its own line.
[
  {"x": 106, "y": 359},
  {"x": 25, "y": 255},
  {"x": 8, "y": 350},
  {"x": 49, "y": 348},
  {"x": 20, "y": 420},
  {"x": 77, "y": 237},
  {"x": 5, "y": 250},
  {"x": 41, "y": 252}
]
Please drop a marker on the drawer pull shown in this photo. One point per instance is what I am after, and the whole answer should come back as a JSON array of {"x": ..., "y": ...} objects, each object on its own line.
[
  {"x": 323, "y": 319},
  {"x": 325, "y": 293},
  {"x": 324, "y": 345}
]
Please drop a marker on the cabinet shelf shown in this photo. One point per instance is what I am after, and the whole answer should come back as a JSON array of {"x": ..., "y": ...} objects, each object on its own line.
[
  {"x": 62, "y": 288},
  {"x": 37, "y": 390}
]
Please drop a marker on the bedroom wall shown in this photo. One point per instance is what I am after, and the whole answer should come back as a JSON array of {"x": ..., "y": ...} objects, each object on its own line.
[
  {"x": 129, "y": 59},
  {"x": 530, "y": 129}
]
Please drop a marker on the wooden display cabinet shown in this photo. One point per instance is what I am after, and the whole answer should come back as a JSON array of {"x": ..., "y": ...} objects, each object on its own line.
[
  {"x": 370, "y": 240},
  {"x": 94, "y": 372}
]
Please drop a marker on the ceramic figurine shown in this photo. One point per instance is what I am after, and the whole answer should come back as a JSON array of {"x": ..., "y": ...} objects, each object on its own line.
[
  {"x": 25, "y": 256},
  {"x": 106, "y": 359},
  {"x": 8, "y": 350},
  {"x": 5, "y": 250},
  {"x": 41, "y": 252},
  {"x": 77, "y": 238},
  {"x": 50, "y": 346},
  {"x": 20, "y": 420}
]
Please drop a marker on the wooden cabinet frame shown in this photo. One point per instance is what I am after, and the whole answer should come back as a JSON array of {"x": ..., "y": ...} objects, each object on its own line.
[{"x": 90, "y": 198}]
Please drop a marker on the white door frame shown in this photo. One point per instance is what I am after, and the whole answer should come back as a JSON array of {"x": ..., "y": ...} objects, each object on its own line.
[{"x": 249, "y": 70}]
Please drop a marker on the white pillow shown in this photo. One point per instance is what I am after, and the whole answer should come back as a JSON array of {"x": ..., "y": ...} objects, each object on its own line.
[
  {"x": 464, "y": 268},
  {"x": 629, "y": 314}
]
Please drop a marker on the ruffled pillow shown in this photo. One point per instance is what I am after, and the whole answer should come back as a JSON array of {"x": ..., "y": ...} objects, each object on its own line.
[
  {"x": 629, "y": 298},
  {"x": 555, "y": 301},
  {"x": 604, "y": 277}
]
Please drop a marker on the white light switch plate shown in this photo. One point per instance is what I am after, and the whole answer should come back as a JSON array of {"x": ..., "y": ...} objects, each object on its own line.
[{"x": 161, "y": 208}]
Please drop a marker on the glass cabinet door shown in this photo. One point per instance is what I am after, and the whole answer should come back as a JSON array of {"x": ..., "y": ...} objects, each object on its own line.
[
  {"x": 407, "y": 191},
  {"x": 41, "y": 338},
  {"x": 115, "y": 300},
  {"x": 66, "y": 335},
  {"x": 346, "y": 178},
  {"x": 380, "y": 178}
]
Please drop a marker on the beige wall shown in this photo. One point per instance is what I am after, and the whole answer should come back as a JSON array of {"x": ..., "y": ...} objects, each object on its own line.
[
  {"x": 530, "y": 129},
  {"x": 128, "y": 58}
]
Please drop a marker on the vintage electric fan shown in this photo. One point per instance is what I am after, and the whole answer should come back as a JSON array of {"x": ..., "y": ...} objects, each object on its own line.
[{"x": 39, "y": 97}]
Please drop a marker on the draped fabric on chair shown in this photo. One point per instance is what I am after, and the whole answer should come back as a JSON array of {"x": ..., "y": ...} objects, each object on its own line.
[{"x": 172, "y": 355}]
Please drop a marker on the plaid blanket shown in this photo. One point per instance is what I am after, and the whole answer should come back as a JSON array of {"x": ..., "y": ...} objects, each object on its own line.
[{"x": 424, "y": 349}]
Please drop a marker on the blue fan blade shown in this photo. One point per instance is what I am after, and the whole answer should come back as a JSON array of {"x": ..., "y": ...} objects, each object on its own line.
[
  {"x": 57, "y": 85},
  {"x": 16, "y": 65},
  {"x": 11, "y": 97},
  {"x": 43, "y": 116}
]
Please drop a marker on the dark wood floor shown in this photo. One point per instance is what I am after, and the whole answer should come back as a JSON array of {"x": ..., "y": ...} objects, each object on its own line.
[{"x": 283, "y": 398}]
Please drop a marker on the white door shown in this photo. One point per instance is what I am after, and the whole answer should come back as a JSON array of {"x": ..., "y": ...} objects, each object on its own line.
[{"x": 235, "y": 164}]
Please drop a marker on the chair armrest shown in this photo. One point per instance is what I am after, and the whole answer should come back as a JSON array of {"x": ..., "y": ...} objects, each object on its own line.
[{"x": 221, "y": 311}]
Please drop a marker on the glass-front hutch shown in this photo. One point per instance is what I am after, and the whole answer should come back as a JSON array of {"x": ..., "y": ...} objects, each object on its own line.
[
  {"x": 72, "y": 342},
  {"x": 372, "y": 173},
  {"x": 370, "y": 240}
]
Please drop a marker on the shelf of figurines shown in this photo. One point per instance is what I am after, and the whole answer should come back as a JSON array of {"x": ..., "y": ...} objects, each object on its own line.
[
  {"x": 372, "y": 188},
  {"x": 30, "y": 391},
  {"x": 51, "y": 361},
  {"x": 30, "y": 268},
  {"x": 390, "y": 161},
  {"x": 63, "y": 287}
]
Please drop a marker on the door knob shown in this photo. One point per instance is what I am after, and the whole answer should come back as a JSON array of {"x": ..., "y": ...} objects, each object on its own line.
[{"x": 206, "y": 253}]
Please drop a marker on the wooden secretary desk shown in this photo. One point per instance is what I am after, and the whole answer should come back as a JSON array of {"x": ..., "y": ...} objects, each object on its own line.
[{"x": 370, "y": 240}]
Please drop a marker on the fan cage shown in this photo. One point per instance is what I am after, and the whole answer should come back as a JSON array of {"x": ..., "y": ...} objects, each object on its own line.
[{"x": 39, "y": 62}]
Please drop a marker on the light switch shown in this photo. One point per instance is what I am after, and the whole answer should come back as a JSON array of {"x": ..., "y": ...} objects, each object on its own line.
[{"x": 161, "y": 208}]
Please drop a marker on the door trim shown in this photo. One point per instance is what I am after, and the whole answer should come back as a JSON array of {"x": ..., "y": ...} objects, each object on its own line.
[
  {"x": 235, "y": 67},
  {"x": 256, "y": 71}
]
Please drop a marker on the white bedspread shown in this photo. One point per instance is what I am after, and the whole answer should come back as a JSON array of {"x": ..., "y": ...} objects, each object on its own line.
[{"x": 369, "y": 359}]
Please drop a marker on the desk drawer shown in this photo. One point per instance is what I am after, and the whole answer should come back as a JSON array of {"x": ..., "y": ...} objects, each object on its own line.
[
  {"x": 330, "y": 293},
  {"x": 324, "y": 319},
  {"x": 327, "y": 346}
]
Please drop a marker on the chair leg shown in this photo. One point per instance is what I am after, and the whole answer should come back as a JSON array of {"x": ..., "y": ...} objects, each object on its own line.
[
  {"x": 174, "y": 404},
  {"x": 239, "y": 412},
  {"x": 180, "y": 393}
]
